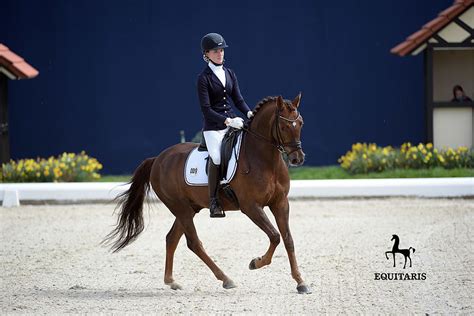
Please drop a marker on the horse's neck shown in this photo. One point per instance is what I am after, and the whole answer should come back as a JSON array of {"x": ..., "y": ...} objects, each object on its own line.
[
  {"x": 258, "y": 148},
  {"x": 395, "y": 244}
]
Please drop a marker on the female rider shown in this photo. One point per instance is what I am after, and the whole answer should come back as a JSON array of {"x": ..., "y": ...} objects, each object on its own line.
[{"x": 216, "y": 86}]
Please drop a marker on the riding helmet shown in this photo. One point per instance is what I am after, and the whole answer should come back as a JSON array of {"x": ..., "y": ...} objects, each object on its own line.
[{"x": 212, "y": 41}]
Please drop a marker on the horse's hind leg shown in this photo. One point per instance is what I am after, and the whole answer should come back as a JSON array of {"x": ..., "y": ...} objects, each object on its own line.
[
  {"x": 172, "y": 240},
  {"x": 196, "y": 246},
  {"x": 281, "y": 211}
]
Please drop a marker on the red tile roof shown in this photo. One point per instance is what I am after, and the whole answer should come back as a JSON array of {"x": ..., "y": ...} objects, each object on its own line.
[
  {"x": 418, "y": 38},
  {"x": 15, "y": 64}
]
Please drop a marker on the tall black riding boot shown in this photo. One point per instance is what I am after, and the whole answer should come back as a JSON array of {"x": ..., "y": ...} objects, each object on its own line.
[{"x": 214, "y": 178}]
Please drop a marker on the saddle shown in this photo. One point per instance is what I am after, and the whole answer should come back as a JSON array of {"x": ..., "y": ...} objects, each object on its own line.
[{"x": 227, "y": 148}]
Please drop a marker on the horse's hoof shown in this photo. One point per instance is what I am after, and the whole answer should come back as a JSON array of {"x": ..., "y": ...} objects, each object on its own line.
[
  {"x": 253, "y": 263},
  {"x": 303, "y": 289},
  {"x": 175, "y": 286},
  {"x": 228, "y": 284}
]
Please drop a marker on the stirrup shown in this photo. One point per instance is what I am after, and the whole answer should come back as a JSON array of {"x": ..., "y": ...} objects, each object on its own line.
[{"x": 215, "y": 208}]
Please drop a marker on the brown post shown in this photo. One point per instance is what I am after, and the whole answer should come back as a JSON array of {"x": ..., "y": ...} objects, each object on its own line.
[
  {"x": 4, "y": 139},
  {"x": 428, "y": 65}
]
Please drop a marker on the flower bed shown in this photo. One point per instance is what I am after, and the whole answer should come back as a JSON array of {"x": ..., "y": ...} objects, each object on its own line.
[
  {"x": 365, "y": 158},
  {"x": 68, "y": 167}
]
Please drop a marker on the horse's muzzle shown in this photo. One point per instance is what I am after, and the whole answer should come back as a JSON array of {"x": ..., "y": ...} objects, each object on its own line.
[{"x": 296, "y": 158}]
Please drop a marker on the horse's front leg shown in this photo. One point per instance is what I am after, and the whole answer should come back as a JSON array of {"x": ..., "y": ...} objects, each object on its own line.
[
  {"x": 281, "y": 211},
  {"x": 258, "y": 216}
]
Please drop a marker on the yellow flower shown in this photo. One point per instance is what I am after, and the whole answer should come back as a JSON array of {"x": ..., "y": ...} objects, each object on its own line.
[
  {"x": 429, "y": 145},
  {"x": 414, "y": 156}
]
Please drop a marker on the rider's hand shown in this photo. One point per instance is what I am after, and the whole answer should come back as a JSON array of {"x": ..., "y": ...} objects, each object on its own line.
[
  {"x": 249, "y": 114},
  {"x": 236, "y": 122}
]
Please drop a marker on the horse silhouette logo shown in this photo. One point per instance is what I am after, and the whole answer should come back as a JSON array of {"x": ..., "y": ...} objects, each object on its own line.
[{"x": 395, "y": 249}]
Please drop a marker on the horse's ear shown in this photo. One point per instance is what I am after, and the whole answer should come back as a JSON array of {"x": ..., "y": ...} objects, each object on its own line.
[
  {"x": 280, "y": 103},
  {"x": 296, "y": 101}
]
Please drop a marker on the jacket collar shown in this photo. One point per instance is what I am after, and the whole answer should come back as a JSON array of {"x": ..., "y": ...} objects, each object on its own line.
[{"x": 214, "y": 77}]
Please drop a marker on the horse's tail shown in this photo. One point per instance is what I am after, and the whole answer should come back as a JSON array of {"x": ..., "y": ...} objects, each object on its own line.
[
  {"x": 130, "y": 221},
  {"x": 411, "y": 248}
]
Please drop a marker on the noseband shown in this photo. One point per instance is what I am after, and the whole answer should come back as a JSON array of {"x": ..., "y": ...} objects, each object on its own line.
[{"x": 279, "y": 144}]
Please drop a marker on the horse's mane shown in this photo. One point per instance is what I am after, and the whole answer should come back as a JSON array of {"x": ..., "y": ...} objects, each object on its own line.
[{"x": 267, "y": 100}]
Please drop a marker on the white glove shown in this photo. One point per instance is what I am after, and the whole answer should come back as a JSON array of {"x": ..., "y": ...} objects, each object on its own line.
[
  {"x": 249, "y": 114},
  {"x": 236, "y": 122}
]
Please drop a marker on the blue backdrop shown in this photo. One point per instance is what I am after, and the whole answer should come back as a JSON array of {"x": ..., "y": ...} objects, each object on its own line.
[{"x": 118, "y": 78}]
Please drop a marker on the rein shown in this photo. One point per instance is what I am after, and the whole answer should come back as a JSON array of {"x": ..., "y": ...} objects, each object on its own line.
[{"x": 279, "y": 144}]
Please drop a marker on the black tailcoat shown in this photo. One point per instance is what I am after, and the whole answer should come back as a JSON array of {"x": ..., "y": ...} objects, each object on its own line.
[{"x": 215, "y": 98}]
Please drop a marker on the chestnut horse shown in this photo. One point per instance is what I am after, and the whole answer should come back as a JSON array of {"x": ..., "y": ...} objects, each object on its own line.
[{"x": 261, "y": 179}]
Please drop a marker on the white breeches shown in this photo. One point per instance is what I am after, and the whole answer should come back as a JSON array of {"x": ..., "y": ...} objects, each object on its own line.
[{"x": 213, "y": 143}]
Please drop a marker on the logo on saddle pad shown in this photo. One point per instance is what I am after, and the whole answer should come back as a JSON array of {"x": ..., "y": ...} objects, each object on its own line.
[
  {"x": 407, "y": 253},
  {"x": 193, "y": 171}
]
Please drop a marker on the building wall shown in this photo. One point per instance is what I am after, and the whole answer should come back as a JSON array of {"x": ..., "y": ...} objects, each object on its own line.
[{"x": 117, "y": 78}]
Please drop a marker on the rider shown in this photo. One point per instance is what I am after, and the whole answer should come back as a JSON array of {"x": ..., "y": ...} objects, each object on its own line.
[{"x": 216, "y": 85}]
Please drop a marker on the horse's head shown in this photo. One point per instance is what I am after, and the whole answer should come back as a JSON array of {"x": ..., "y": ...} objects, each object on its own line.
[
  {"x": 287, "y": 131},
  {"x": 395, "y": 237}
]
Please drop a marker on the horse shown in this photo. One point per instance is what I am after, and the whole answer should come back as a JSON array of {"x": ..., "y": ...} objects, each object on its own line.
[
  {"x": 261, "y": 179},
  {"x": 404, "y": 252}
]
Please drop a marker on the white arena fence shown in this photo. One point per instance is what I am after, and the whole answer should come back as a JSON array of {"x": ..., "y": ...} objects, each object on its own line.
[{"x": 11, "y": 194}]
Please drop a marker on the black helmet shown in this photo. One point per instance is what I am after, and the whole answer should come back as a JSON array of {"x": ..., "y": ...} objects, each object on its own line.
[{"x": 212, "y": 41}]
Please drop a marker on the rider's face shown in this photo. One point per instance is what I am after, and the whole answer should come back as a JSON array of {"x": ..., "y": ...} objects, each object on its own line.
[
  {"x": 216, "y": 55},
  {"x": 459, "y": 94}
]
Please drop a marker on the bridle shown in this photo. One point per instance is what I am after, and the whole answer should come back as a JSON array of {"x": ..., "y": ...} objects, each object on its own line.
[{"x": 279, "y": 144}]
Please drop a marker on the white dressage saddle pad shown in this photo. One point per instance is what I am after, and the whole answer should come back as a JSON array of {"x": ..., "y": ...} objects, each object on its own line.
[{"x": 195, "y": 167}]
